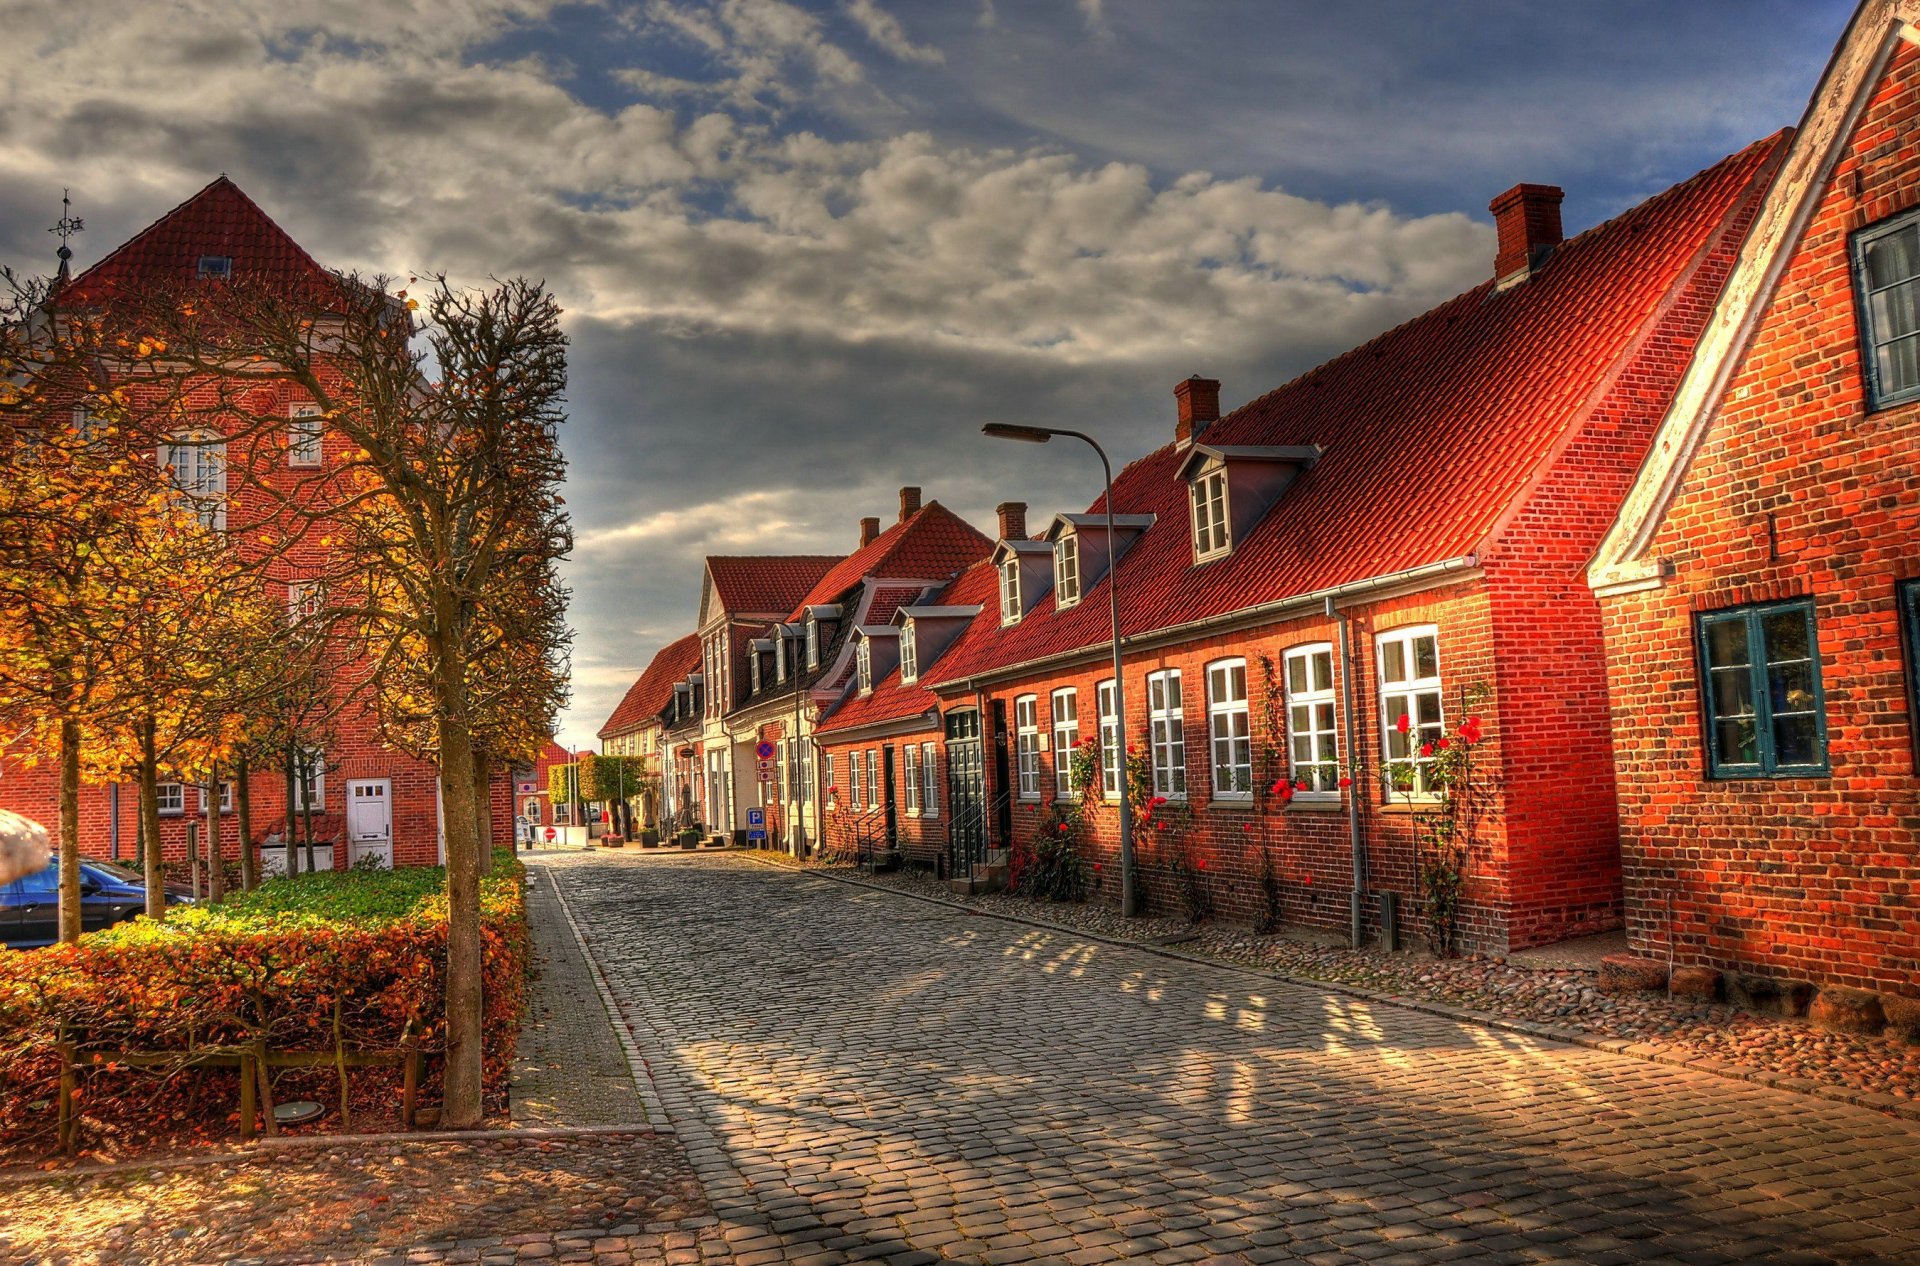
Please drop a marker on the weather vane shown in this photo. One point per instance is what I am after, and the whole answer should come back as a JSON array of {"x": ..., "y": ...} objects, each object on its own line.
[{"x": 68, "y": 226}]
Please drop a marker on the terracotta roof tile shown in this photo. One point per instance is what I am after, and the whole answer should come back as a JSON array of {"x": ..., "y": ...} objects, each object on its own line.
[
  {"x": 652, "y": 691},
  {"x": 891, "y": 701},
  {"x": 931, "y": 544},
  {"x": 1429, "y": 432},
  {"x": 769, "y": 584}
]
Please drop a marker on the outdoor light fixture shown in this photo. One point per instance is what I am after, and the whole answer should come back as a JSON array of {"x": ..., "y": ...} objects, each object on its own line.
[{"x": 1040, "y": 435}]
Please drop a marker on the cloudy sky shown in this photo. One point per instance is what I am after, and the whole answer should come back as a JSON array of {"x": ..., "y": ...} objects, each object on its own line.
[{"x": 807, "y": 248}]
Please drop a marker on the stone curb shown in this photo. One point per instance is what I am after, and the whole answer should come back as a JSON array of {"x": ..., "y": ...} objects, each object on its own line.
[
  {"x": 319, "y": 1142},
  {"x": 1654, "y": 1053},
  {"x": 637, "y": 1065}
]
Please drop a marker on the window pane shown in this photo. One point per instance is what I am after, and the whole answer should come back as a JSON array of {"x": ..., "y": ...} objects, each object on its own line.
[
  {"x": 1738, "y": 743},
  {"x": 1297, "y": 674},
  {"x": 1790, "y": 686},
  {"x": 1899, "y": 365},
  {"x": 1429, "y": 708},
  {"x": 1727, "y": 642},
  {"x": 1300, "y": 718},
  {"x": 1896, "y": 311},
  {"x": 1393, "y": 661},
  {"x": 1785, "y": 635},
  {"x": 1732, "y": 692},
  {"x": 1894, "y": 257},
  {"x": 1323, "y": 670},
  {"x": 1795, "y": 740},
  {"x": 1426, "y": 657},
  {"x": 1324, "y": 717}
]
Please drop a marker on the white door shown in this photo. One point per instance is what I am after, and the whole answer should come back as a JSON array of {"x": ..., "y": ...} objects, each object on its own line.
[{"x": 369, "y": 820}]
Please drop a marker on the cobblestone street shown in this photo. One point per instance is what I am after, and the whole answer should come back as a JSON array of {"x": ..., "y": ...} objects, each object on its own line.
[{"x": 858, "y": 1075}]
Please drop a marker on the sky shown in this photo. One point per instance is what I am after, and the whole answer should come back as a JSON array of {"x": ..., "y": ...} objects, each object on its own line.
[{"x": 807, "y": 249}]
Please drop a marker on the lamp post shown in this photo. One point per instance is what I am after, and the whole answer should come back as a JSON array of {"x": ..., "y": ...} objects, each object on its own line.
[{"x": 1041, "y": 435}]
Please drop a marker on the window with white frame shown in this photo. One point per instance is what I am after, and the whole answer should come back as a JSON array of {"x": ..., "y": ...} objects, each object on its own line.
[
  {"x": 753, "y": 673},
  {"x": 1208, "y": 495},
  {"x": 197, "y": 467},
  {"x": 1066, "y": 570},
  {"x": 813, "y": 641},
  {"x": 826, "y": 768},
  {"x": 1112, "y": 751},
  {"x": 910, "y": 776},
  {"x": 1229, "y": 736},
  {"x": 1066, "y": 737},
  {"x": 305, "y": 429},
  {"x": 1312, "y": 748},
  {"x": 1410, "y": 707},
  {"x": 226, "y": 797},
  {"x": 909, "y": 655},
  {"x": 1026, "y": 744},
  {"x": 929, "y": 784},
  {"x": 806, "y": 773},
  {"x": 310, "y": 780},
  {"x": 1010, "y": 591},
  {"x": 172, "y": 797},
  {"x": 854, "y": 769},
  {"x": 779, "y": 655},
  {"x": 303, "y": 600},
  {"x": 1166, "y": 731},
  {"x": 873, "y": 778},
  {"x": 863, "y": 658}
]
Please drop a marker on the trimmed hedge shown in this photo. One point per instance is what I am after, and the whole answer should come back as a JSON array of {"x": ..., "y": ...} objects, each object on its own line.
[{"x": 283, "y": 965}]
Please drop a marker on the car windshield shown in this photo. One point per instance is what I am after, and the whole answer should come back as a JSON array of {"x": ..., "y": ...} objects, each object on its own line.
[{"x": 99, "y": 872}]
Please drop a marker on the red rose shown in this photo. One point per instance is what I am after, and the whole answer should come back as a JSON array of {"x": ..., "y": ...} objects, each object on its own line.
[
  {"x": 1201, "y": 864},
  {"x": 1300, "y": 786},
  {"x": 1345, "y": 783},
  {"x": 1404, "y": 724},
  {"x": 1426, "y": 749},
  {"x": 1247, "y": 828}
]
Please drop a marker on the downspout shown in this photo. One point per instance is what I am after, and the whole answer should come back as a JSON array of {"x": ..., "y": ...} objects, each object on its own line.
[{"x": 1356, "y": 912}]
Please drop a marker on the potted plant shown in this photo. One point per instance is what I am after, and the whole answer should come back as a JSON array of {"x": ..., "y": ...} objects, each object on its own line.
[{"x": 690, "y": 835}]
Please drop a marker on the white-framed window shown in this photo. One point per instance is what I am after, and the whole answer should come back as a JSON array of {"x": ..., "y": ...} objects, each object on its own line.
[
  {"x": 1208, "y": 495},
  {"x": 1010, "y": 591},
  {"x": 1410, "y": 691},
  {"x": 1026, "y": 745},
  {"x": 303, "y": 600},
  {"x": 910, "y": 776},
  {"x": 1229, "y": 734},
  {"x": 779, "y": 655},
  {"x": 311, "y": 780},
  {"x": 813, "y": 640},
  {"x": 226, "y": 797},
  {"x": 305, "y": 430},
  {"x": 855, "y": 766},
  {"x": 1167, "y": 732},
  {"x": 172, "y": 797},
  {"x": 806, "y": 772},
  {"x": 214, "y": 268},
  {"x": 1066, "y": 570},
  {"x": 826, "y": 767},
  {"x": 753, "y": 673},
  {"x": 532, "y": 810},
  {"x": 1313, "y": 755},
  {"x": 909, "y": 655},
  {"x": 873, "y": 779},
  {"x": 1066, "y": 737},
  {"x": 197, "y": 467},
  {"x": 929, "y": 782},
  {"x": 1112, "y": 750},
  {"x": 863, "y": 659}
]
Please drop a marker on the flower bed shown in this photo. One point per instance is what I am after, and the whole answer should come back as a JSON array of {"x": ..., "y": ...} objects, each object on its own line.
[{"x": 350, "y": 962}]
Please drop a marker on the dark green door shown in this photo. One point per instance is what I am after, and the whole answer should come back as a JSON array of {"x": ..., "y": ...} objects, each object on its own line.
[{"x": 966, "y": 791}]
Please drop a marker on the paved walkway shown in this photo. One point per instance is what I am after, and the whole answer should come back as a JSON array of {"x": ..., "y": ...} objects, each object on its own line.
[
  {"x": 570, "y": 1068},
  {"x": 858, "y": 1075}
]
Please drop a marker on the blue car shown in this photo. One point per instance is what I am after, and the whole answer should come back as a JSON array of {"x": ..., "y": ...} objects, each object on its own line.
[{"x": 30, "y": 907}]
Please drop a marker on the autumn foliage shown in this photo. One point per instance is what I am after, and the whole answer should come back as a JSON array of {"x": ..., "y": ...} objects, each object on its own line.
[{"x": 275, "y": 967}]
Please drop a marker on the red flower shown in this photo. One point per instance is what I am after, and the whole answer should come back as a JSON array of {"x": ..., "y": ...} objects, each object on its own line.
[
  {"x": 1130, "y": 749},
  {"x": 1286, "y": 791},
  {"x": 1201, "y": 864},
  {"x": 1345, "y": 783},
  {"x": 1404, "y": 724},
  {"x": 1279, "y": 785},
  {"x": 1470, "y": 730},
  {"x": 1156, "y": 802},
  {"x": 1300, "y": 786},
  {"x": 1426, "y": 749},
  {"x": 1442, "y": 745},
  {"x": 1097, "y": 868}
]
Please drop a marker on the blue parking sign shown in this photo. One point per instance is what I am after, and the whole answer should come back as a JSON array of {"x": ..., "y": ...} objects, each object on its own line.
[{"x": 756, "y": 824}]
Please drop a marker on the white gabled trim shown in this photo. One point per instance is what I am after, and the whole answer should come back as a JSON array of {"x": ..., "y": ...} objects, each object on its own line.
[{"x": 1621, "y": 564}]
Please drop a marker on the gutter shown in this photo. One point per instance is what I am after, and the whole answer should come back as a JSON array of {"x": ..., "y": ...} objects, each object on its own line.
[
  {"x": 1466, "y": 566},
  {"x": 1356, "y": 914}
]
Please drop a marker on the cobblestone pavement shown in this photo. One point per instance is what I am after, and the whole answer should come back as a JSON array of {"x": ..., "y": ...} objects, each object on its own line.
[
  {"x": 570, "y": 1068},
  {"x": 857, "y": 1075}
]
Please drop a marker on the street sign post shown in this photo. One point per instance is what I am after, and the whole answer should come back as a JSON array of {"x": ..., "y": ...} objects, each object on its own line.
[{"x": 756, "y": 824}]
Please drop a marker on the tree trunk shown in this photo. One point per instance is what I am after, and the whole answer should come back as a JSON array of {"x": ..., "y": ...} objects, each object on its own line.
[
  {"x": 69, "y": 830},
  {"x": 307, "y": 771},
  {"x": 216, "y": 858},
  {"x": 243, "y": 808},
  {"x": 461, "y": 1105},
  {"x": 150, "y": 822},
  {"x": 482, "y": 807},
  {"x": 292, "y": 862}
]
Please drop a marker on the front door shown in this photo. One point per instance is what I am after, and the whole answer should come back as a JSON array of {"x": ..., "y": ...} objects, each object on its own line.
[
  {"x": 966, "y": 791},
  {"x": 369, "y": 820}
]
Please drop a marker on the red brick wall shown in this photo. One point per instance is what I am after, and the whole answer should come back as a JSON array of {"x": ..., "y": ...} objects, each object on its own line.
[
  {"x": 922, "y": 838},
  {"x": 1796, "y": 491}
]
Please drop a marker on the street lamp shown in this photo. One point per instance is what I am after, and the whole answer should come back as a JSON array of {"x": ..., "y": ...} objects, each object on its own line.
[{"x": 1040, "y": 435}]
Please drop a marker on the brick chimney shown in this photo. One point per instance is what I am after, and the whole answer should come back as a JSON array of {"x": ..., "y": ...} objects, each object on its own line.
[
  {"x": 1013, "y": 520},
  {"x": 1528, "y": 218},
  {"x": 909, "y": 503},
  {"x": 869, "y": 529},
  {"x": 1198, "y": 403}
]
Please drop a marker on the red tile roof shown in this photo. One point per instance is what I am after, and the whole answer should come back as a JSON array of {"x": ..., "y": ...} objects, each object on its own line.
[
  {"x": 1430, "y": 432},
  {"x": 219, "y": 220},
  {"x": 931, "y": 544},
  {"x": 766, "y": 585},
  {"x": 891, "y": 701},
  {"x": 650, "y": 693}
]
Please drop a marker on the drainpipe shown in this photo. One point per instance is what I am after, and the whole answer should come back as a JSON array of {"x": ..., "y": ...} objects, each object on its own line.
[{"x": 1356, "y": 910}]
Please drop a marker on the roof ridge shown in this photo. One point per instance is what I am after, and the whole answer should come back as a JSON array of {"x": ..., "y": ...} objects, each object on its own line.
[{"x": 220, "y": 182}]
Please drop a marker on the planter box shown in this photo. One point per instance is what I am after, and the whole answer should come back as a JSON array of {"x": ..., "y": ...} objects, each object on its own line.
[{"x": 649, "y": 839}]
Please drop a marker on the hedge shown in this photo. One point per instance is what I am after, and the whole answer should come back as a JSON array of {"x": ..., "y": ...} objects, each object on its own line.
[{"x": 282, "y": 965}]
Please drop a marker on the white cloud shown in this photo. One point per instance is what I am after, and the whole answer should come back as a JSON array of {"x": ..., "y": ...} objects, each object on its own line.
[{"x": 885, "y": 31}]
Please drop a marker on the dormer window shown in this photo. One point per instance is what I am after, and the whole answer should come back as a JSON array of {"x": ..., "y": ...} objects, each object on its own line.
[
  {"x": 780, "y": 655},
  {"x": 909, "y": 667},
  {"x": 754, "y": 672},
  {"x": 215, "y": 268},
  {"x": 863, "y": 659},
  {"x": 813, "y": 640},
  {"x": 1066, "y": 570},
  {"x": 1208, "y": 494},
  {"x": 1010, "y": 591}
]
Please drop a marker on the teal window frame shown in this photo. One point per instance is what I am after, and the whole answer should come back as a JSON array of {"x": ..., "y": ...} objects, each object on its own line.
[
  {"x": 1879, "y": 394},
  {"x": 1767, "y": 763},
  {"x": 1907, "y": 601}
]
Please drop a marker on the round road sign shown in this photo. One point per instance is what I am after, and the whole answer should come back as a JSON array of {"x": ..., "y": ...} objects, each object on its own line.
[
  {"x": 764, "y": 750},
  {"x": 550, "y": 834}
]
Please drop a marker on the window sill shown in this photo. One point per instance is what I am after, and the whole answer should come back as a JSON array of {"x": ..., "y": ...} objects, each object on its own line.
[
  {"x": 1423, "y": 804},
  {"x": 1298, "y": 805}
]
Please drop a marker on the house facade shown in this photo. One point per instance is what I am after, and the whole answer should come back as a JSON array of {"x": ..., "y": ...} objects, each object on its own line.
[
  {"x": 1759, "y": 586},
  {"x": 637, "y": 727},
  {"x": 354, "y": 796}
]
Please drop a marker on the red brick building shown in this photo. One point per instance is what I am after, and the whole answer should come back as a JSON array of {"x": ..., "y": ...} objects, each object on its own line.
[
  {"x": 1401, "y": 531},
  {"x": 637, "y": 727},
  {"x": 368, "y": 799},
  {"x": 1759, "y": 585}
]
